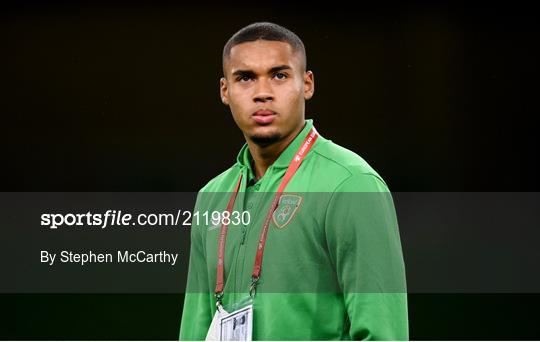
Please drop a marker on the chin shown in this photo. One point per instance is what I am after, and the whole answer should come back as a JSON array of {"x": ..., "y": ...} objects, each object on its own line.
[
  {"x": 265, "y": 139},
  {"x": 263, "y": 131}
]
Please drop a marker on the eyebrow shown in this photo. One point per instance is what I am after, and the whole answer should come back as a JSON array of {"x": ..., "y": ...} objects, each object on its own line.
[
  {"x": 271, "y": 71},
  {"x": 279, "y": 68}
]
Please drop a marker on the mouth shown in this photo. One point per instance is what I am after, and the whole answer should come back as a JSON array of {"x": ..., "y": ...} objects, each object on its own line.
[{"x": 264, "y": 116}]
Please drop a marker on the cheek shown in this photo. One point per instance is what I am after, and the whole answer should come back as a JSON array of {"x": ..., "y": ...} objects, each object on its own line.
[
  {"x": 239, "y": 105},
  {"x": 239, "y": 97},
  {"x": 294, "y": 95}
]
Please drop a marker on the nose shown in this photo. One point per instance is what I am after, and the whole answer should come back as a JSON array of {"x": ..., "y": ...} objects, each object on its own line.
[{"x": 263, "y": 92}]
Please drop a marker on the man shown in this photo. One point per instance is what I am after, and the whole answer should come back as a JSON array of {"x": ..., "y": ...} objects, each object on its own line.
[{"x": 320, "y": 258}]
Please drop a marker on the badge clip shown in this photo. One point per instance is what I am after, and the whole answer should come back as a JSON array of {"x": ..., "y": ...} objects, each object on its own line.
[
  {"x": 219, "y": 299},
  {"x": 253, "y": 287}
]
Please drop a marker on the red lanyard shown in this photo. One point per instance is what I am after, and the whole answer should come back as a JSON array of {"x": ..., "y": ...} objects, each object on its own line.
[{"x": 291, "y": 170}]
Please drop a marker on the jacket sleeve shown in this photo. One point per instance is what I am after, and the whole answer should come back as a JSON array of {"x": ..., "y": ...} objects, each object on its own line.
[
  {"x": 364, "y": 245},
  {"x": 196, "y": 315}
]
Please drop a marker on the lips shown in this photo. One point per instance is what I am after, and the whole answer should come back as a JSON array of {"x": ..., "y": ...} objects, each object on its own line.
[{"x": 264, "y": 116}]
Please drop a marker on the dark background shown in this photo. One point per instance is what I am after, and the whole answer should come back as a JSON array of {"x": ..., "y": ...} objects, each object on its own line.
[{"x": 124, "y": 97}]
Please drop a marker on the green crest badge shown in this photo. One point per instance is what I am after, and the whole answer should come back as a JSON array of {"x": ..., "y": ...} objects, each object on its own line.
[{"x": 287, "y": 207}]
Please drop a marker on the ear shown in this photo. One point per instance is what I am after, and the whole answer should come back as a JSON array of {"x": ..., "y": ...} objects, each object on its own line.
[
  {"x": 223, "y": 91},
  {"x": 309, "y": 85}
]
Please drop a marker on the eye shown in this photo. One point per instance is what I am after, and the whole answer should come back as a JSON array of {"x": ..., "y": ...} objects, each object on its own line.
[
  {"x": 280, "y": 76},
  {"x": 244, "y": 78}
]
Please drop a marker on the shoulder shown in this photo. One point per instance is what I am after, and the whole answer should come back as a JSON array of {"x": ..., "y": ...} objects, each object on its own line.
[
  {"x": 225, "y": 181},
  {"x": 215, "y": 192},
  {"x": 351, "y": 171}
]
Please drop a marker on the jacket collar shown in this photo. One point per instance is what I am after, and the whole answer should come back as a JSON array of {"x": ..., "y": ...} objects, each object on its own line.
[{"x": 244, "y": 156}]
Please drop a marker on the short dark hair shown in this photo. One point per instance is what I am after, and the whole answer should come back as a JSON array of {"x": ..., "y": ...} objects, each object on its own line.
[{"x": 265, "y": 31}]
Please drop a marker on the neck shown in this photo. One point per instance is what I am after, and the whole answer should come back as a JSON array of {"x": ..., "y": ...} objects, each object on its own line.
[{"x": 265, "y": 156}]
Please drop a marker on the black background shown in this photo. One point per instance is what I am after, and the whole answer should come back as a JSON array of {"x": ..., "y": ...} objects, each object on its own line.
[{"x": 124, "y": 97}]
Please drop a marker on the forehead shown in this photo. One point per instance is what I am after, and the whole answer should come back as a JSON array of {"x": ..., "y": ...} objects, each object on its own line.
[{"x": 261, "y": 55}]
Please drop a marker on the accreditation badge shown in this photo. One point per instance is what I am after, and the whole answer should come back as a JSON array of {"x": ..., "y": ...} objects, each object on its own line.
[{"x": 232, "y": 323}]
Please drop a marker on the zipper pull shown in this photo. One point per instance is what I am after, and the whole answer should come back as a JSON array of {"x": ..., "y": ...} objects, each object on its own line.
[{"x": 244, "y": 230}]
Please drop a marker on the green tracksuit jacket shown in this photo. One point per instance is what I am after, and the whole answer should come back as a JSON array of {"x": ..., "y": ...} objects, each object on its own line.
[{"x": 333, "y": 266}]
